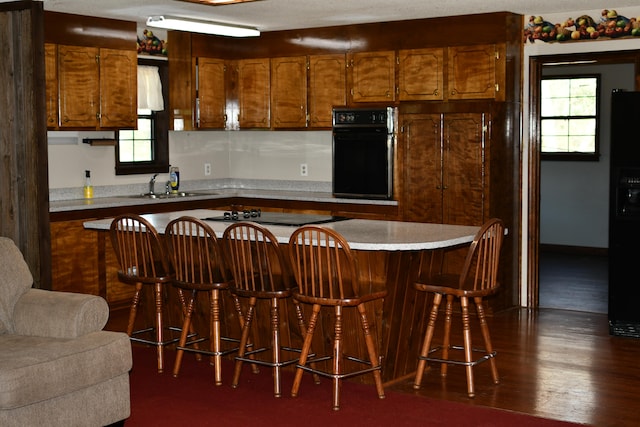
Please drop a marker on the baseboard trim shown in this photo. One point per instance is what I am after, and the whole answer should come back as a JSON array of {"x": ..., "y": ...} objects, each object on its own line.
[{"x": 586, "y": 250}]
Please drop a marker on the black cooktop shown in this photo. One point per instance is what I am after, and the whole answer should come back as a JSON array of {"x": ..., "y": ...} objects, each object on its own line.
[{"x": 275, "y": 218}]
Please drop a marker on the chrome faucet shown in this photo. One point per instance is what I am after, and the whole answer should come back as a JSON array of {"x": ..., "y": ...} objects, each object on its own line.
[{"x": 152, "y": 183}]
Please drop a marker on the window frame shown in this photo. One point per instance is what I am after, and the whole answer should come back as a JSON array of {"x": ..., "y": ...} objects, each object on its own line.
[
  {"x": 573, "y": 156},
  {"x": 160, "y": 162}
]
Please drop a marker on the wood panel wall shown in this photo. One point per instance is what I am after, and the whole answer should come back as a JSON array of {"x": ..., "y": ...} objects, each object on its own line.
[{"x": 24, "y": 189}]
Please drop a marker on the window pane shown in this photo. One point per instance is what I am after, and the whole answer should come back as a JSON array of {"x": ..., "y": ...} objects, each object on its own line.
[
  {"x": 554, "y": 143},
  {"x": 126, "y": 150},
  {"x": 569, "y": 108},
  {"x": 142, "y": 151},
  {"x": 552, "y": 107}
]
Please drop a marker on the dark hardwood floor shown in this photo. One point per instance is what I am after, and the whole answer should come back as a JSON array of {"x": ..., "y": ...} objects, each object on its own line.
[{"x": 558, "y": 363}]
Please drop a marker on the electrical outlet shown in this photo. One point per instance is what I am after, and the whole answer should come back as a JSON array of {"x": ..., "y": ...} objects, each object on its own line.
[
  {"x": 207, "y": 169},
  {"x": 304, "y": 171}
]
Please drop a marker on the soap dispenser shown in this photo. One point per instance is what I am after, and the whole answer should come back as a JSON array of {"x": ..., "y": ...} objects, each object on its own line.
[
  {"x": 174, "y": 178},
  {"x": 88, "y": 188}
]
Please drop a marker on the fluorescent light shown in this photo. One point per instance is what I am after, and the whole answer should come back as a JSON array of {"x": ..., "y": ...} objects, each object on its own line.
[{"x": 205, "y": 27}]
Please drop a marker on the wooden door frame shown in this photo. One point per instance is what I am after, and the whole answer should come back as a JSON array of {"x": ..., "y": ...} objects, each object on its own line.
[{"x": 536, "y": 63}]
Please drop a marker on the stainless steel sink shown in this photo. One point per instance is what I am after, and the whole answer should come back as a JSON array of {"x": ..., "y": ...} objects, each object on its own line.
[{"x": 177, "y": 195}]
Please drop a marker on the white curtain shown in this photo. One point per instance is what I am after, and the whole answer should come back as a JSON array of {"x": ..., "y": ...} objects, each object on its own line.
[{"x": 149, "y": 88}]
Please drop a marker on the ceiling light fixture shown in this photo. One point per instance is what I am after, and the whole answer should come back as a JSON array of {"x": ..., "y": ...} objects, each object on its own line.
[{"x": 205, "y": 27}]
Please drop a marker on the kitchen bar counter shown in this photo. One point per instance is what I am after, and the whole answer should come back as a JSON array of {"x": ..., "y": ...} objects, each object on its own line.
[
  {"x": 390, "y": 255},
  {"x": 362, "y": 234}
]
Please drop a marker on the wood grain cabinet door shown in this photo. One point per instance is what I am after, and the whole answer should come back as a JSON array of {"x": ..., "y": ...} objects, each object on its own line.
[
  {"x": 420, "y": 74},
  {"x": 254, "y": 93},
  {"x": 422, "y": 187},
  {"x": 373, "y": 76},
  {"x": 445, "y": 168},
  {"x": 118, "y": 89},
  {"x": 51, "y": 84},
  {"x": 465, "y": 168},
  {"x": 289, "y": 92},
  {"x": 211, "y": 93},
  {"x": 327, "y": 88},
  {"x": 78, "y": 80},
  {"x": 476, "y": 72}
]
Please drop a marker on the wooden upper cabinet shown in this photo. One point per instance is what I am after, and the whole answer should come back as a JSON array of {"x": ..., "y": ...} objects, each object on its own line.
[
  {"x": 78, "y": 80},
  {"x": 211, "y": 93},
  {"x": 420, "y": 74},
  {"x": 51, "y": 83},
  {"x": 289, "y": 92},
  {"x": 118, "y": 88},
  {"x": 327, "y": 87},
  {"x": 254, "y": 93},
  {"x": 96, "y": 88},
  {"x": 476, "y": 72},
  {"x": 372, "y": 76}
]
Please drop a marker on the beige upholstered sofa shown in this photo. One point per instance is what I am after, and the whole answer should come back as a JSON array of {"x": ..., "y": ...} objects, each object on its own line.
[{"x": 57, "y": 366}]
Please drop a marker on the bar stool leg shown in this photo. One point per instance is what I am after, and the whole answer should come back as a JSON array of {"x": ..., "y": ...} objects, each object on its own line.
[
  {"x": 487, "y": 339},
  {"x": 306, "y": 346},
  {"x": 133, "y": 311},
  {"x": 466, "y": 333},
  {"x": 248, "y": 319},
  {"x": 446, "y": 343},
  {"x": 426, "y": 344},
  {"x": 371, "y": 349},
  {"x": 159, "y": 326},
  {"x": 337, "y": 357},
  {"x": 183, "y": 335},
  {"x": 275, "y": 346}
]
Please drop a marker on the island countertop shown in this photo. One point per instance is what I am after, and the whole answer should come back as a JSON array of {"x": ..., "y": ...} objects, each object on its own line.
[{"x": 362, "y": 234}]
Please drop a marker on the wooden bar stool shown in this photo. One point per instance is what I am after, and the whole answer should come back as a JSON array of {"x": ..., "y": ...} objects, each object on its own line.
[
  {"x": 259, "y": 271},
  {"x": 478, "y": 279},
  {"x": 197, "y": 261},
  {"x": 326, "y": 272},
  {"x": 142, "y": 262}
]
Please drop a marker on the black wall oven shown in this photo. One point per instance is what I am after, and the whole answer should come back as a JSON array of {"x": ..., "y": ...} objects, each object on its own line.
[{"x": 363, "y": 152}]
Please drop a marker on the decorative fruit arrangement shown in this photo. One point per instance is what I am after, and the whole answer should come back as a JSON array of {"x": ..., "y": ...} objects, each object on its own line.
[
  {"x": 584, "y": 27},
  {"x": 151, "y": 44}
]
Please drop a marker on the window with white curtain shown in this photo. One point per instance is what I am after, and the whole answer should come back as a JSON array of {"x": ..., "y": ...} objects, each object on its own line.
[{"x": 146, "y": 148}]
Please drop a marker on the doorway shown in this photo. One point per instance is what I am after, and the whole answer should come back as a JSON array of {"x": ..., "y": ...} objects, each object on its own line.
[{"x": 557, "y": 261}]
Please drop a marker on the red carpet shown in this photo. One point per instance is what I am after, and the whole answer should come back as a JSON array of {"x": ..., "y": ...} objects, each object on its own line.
[{"x": 193, "y": 400}]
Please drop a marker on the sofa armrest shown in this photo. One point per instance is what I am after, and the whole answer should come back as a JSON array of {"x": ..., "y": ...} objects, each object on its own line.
[{"x": 59, "y": 314}]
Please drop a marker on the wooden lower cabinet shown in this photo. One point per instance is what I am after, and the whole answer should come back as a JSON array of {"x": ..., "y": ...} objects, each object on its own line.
[
  {"x": 74, "y": 258},
  {"x": 83, "y": 261}
]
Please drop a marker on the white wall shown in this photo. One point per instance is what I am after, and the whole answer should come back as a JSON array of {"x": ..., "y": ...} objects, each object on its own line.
[{"x": 233, "y": 154}]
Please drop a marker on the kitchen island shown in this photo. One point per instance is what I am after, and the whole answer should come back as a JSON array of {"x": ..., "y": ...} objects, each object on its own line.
[{"x": 389, "y": 253}]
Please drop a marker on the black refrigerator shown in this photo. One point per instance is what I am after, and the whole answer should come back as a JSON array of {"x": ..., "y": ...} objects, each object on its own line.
[{"x": 624, "y": 215}]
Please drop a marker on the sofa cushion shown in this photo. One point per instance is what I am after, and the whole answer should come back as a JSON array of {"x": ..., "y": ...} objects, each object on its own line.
[
  {"x": 15, "y": 280},
  {"x": 34, "y": 369},
  {"x": 59, "y": 314}
]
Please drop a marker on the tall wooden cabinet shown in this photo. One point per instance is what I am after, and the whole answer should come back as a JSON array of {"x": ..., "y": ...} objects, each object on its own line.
[
  {"x": 446, "y": 167},
  {"x": 289, "y": 92}
]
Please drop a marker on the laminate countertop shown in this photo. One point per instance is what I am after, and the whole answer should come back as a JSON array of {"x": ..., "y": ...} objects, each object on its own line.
[
  {"x": 136, "y": 200},
  {"x": 362, "y": 234}
]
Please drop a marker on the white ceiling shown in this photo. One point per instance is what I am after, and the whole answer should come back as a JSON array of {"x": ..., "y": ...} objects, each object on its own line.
[{"x": 274, "y": 15}]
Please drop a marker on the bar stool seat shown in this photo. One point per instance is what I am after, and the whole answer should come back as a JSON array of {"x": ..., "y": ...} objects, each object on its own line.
[
  {"x": 327, "y": 275},
  {"x": 142, "y": 262},
  {"x": 477, "y": 279}
]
